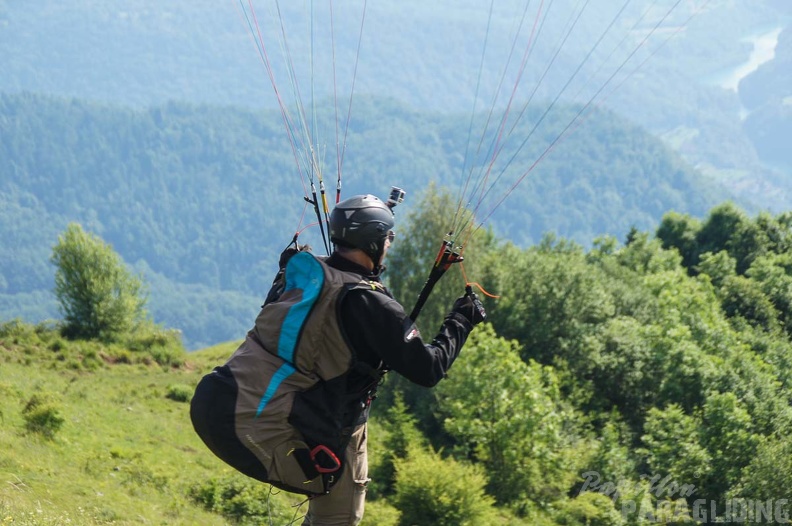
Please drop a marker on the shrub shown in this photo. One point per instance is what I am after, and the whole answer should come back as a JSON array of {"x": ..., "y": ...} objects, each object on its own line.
[
  {"x": 168, "y": 356},
  {"x": 179, "y": 393},
  {"x": 17, "y": 331},
  {"x": 589, "y": 509},
  {"x": 57, "y": 345},
  {"x": 432, "y": 491},
  {"x": 42, "y": 415},
  {"x": 242, "y": 500},
  {"x": 164, "y": 346},
  {"x": 380, "y": 513},
  {"x": 119, "y": 355},
  {"x": 90, "y": 359}
]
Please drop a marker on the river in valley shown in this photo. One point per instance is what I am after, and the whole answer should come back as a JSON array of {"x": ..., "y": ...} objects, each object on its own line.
[{"x": 764, "y": 46}]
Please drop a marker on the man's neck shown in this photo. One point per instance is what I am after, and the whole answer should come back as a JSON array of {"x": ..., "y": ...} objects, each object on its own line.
[{"x": 358, "y": 257}]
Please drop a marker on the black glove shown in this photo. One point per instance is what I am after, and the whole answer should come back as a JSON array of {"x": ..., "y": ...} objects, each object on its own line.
[
  {"x": 279, "y": 283},
  {"x": 470, "y": 307},
  {"x": 289, "y": 252}
]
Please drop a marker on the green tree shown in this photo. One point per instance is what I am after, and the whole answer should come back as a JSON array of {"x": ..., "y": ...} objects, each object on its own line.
[
  {"x": 721, "y": 229},
  {"x": 98, "y": 296},
  {"x": 769, "y": 475},
  {"x": 680, "y": 231},
  {"x": 773, "y": 273},
  {"x": 646, "y": 256},
  {"x": 727, "y": 433},
  {"x": 508, "y": 415},
  {"x": 551, "y": 300},
  {"x": 623, "y": 368},
  {"x": 400, "y": 434},
  {"x": 778, "y": 230},
  {"x": 613, "y": 459},
  {"x": 726, "y": 229},
  {"x": 743, "y": 297},
  {"x": 718, "y": 266},
  {"x": 673, "y": 447}
]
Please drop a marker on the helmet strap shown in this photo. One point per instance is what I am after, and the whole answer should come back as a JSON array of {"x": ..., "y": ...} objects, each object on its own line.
[{"x": 376, "y": 256}]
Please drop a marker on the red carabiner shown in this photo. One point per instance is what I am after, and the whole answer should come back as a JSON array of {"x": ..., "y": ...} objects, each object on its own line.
[{"x": 326, "y": 450}]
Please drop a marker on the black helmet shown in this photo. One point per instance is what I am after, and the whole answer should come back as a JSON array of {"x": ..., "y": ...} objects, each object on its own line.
[{"x": 362, "y": 222}]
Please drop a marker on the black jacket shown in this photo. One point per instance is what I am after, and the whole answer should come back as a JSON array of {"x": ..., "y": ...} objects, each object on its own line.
[{"x": 378, "y": 329}]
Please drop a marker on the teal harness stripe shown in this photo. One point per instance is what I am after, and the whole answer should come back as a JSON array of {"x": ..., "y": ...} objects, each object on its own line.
[
  {"x": 283, "y": 372},
  {"x": 303, "y": 272}
]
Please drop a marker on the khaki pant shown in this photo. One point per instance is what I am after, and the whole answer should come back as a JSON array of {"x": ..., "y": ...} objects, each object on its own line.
[{"x": 343, "y": 506}]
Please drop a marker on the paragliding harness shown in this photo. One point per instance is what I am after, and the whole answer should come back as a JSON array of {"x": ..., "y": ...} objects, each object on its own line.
[{"x": 283, "y": 408}]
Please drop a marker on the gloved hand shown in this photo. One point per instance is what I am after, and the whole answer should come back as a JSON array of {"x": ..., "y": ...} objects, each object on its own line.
[
  {"x": 289, "y": 252},
  {"x": 279, "y": 283},
  {"x": 470, "y": 307}
]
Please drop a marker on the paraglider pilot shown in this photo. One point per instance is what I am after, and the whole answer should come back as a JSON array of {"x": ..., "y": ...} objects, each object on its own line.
[{"x": 291, "y": 404}]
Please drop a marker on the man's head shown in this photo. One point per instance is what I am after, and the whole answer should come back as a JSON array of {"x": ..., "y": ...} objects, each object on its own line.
[{"x": 362, "y": 222}]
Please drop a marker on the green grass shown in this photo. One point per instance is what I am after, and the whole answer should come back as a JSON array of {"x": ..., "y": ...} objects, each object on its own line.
[{"x": 125, "y": 453}]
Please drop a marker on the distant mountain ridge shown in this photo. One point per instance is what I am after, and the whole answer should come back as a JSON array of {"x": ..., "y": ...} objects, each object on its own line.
[
  {"x": 202, "y": 199},
  {"x": 426, "y": 55}
]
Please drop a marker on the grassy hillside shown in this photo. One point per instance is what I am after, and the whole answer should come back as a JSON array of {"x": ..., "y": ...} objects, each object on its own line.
[{"x": 125, "y": 453}]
